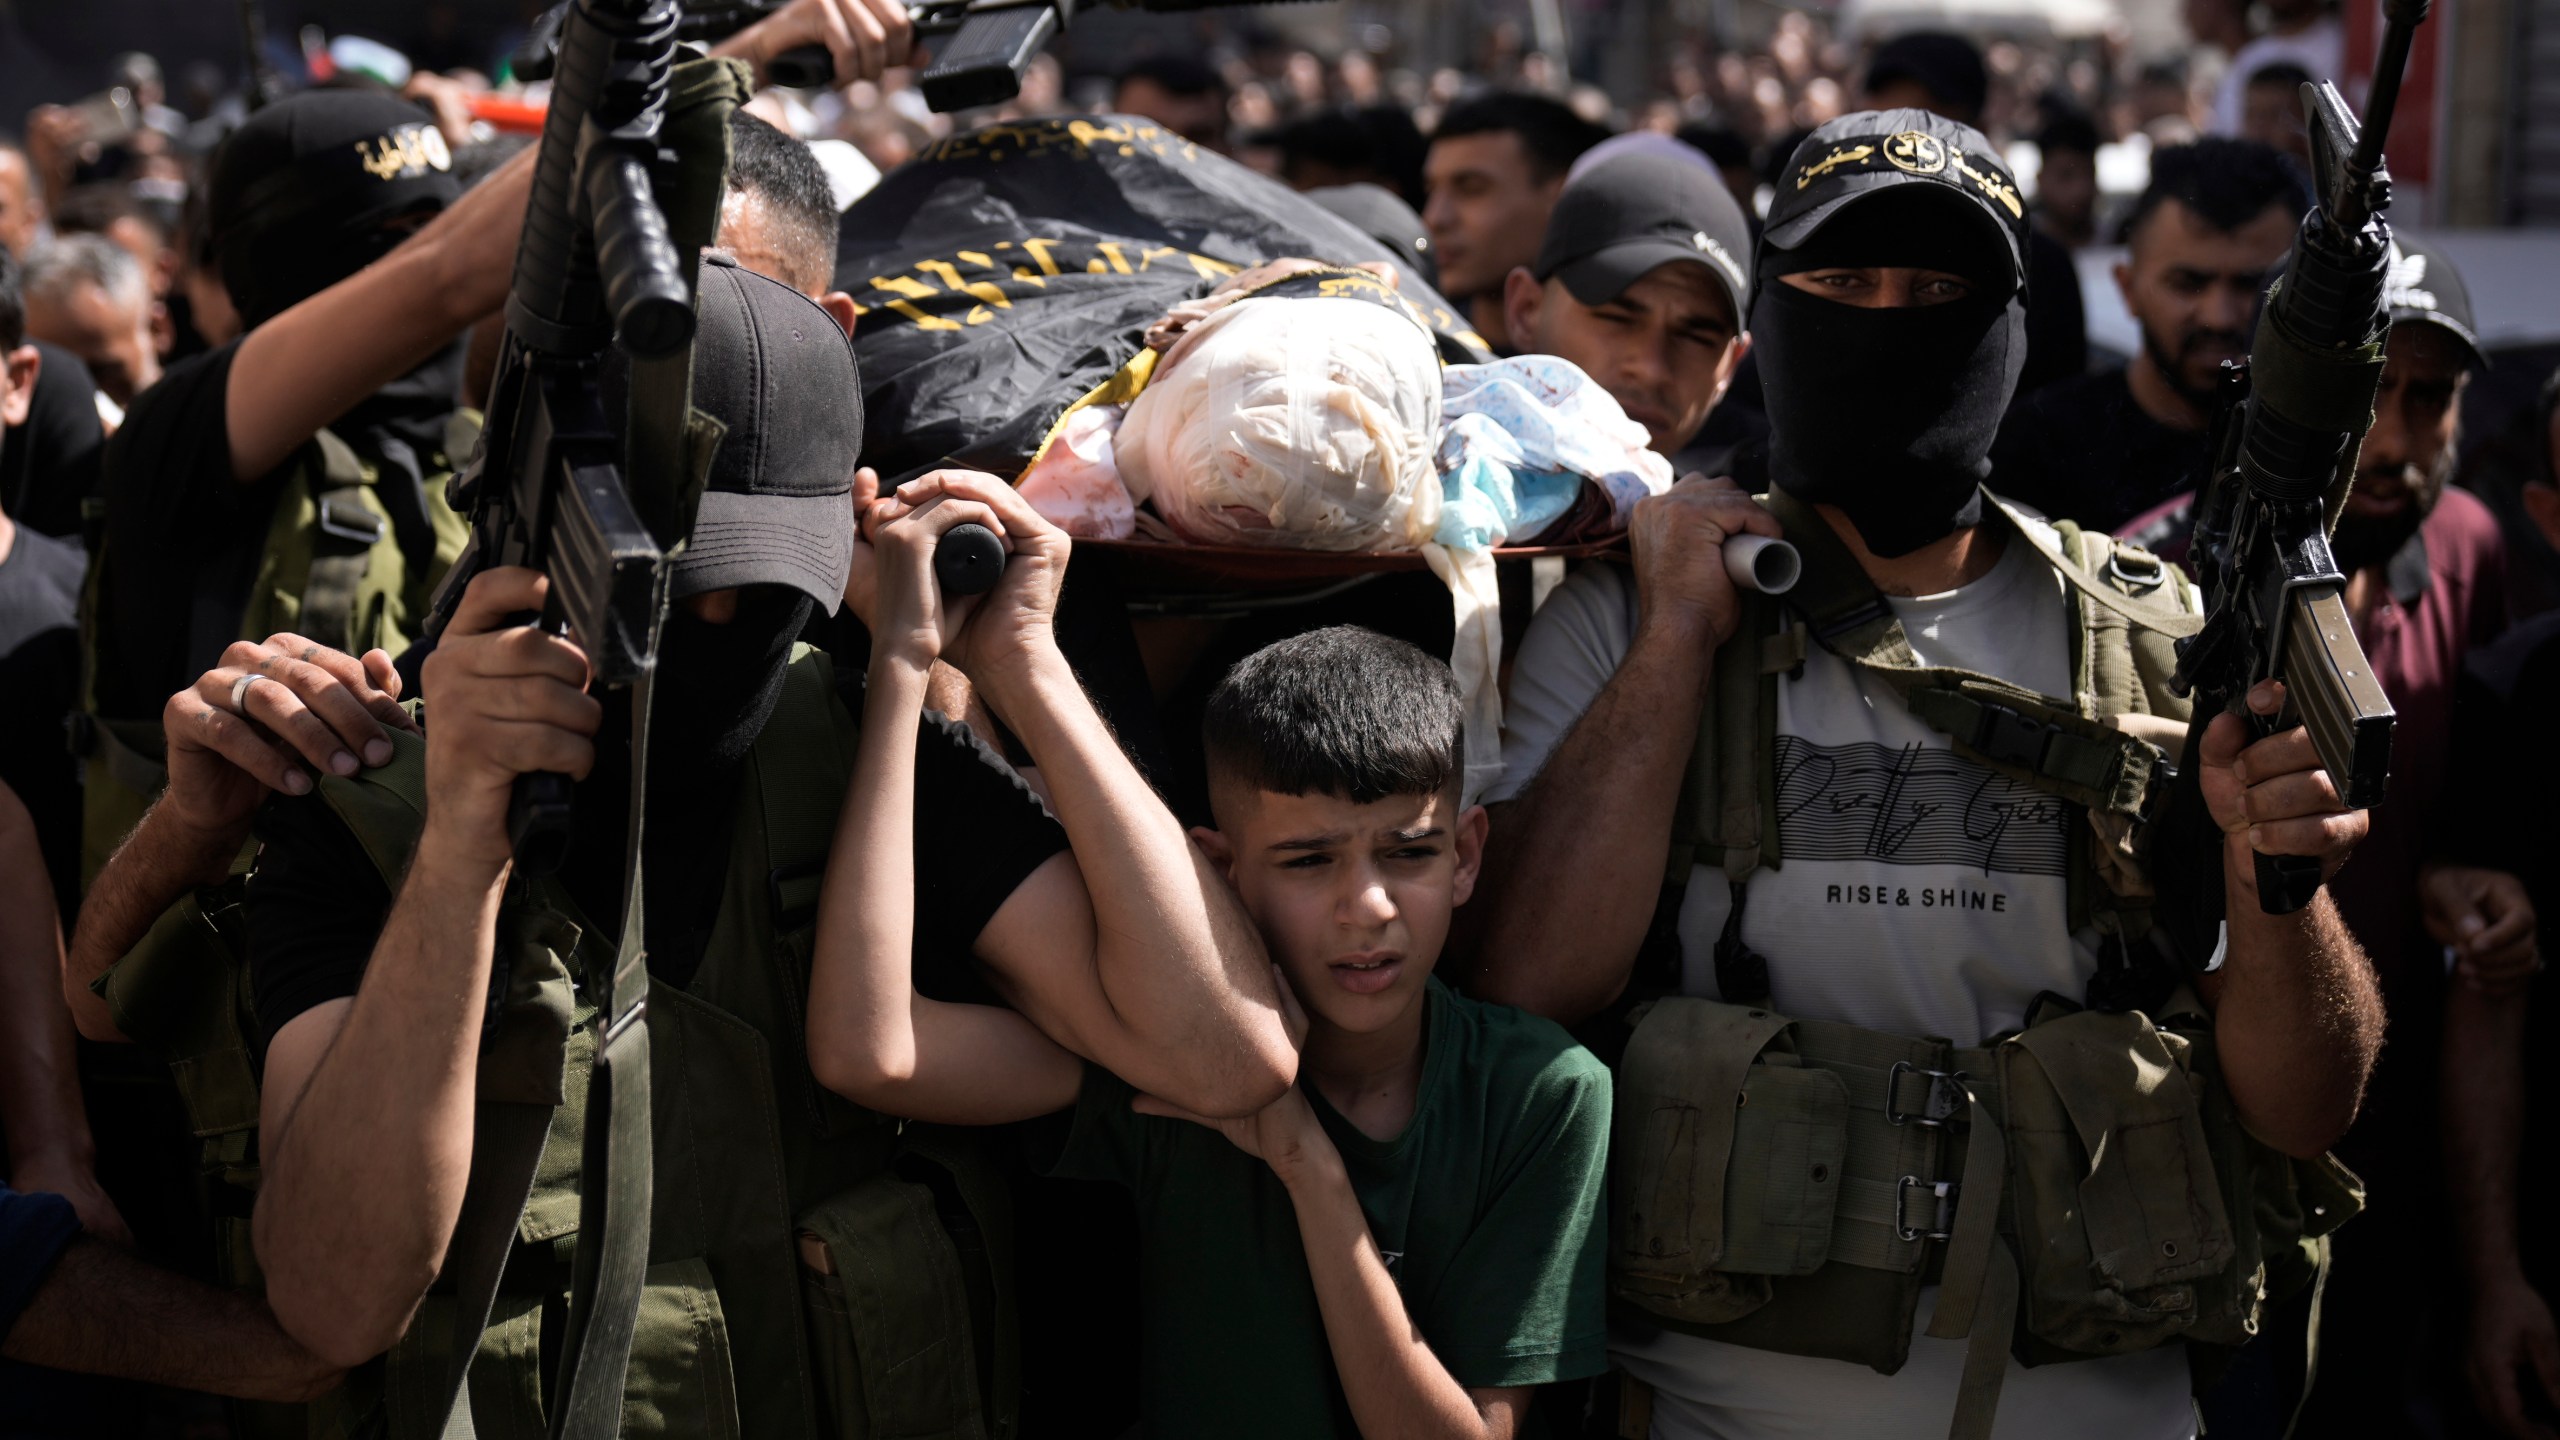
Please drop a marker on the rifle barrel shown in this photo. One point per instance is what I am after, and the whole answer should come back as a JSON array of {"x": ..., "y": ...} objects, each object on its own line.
[{"x": 2400, "y": 31}]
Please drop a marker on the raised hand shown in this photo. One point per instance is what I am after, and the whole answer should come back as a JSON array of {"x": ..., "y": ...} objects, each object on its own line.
[
  {"x": 1013, "y": 621},
  {"x": 268, "y": 718},
  {"x": 508, "y": 700}
]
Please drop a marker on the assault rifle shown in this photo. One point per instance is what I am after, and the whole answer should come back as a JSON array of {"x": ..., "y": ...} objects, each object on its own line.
[
  {"x": 2284, "y": 457},
  {"x": 589, "y": 498}
]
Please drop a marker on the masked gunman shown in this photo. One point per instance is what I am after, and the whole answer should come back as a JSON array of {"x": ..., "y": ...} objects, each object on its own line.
[{"x": 1878, "y": 858}]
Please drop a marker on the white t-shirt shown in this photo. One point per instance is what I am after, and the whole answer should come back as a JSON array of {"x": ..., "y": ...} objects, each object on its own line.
[
  {"x": 2319, "y": 48},
  {"x": 1919, "y": 893}
]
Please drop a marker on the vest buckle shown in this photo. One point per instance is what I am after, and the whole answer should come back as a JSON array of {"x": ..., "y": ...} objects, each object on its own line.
[
  {"x": 1942, "y": 1220},
  {"x": 349, "y": 521},
  {"x": 1946, "y": 1095},
  {"x": 2141, "y": 578},
  {"x": 2010, "y": 737}
]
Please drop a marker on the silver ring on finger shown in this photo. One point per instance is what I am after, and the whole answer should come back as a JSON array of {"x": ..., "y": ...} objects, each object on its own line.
[{"x": 240, "y": 692}]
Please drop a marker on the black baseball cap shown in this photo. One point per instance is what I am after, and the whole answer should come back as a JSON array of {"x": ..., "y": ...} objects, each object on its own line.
[
  {"x": 777, "y": 507},
  {"x": 2422, "y": 288},
  {"x": 1868, "y": 151},
  {"x": 300, "y": 195},
  {"x": 1620, "y": 219}
]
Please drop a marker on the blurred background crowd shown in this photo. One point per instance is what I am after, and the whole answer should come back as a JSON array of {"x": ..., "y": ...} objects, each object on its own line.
[
  {"x": 115, "y": 106},
  {"x": 111, "y": 109}
]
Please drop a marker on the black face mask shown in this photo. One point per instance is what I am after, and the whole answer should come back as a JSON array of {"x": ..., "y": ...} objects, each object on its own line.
[
  {"x": 717, "y": 684},
  {"x": 1887, "y": 414},
  {"x": 716, "y": 687}
]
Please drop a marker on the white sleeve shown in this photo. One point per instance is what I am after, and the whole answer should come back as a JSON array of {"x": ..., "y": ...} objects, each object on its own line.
[{"x": 1572, "y": 648}]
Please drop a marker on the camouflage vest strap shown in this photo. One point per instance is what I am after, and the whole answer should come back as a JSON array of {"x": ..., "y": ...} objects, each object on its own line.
[
  {"x": 344, "y": 532},
  {"x": 2051, "y": 744},
  {"x": 336, "y": 568}
]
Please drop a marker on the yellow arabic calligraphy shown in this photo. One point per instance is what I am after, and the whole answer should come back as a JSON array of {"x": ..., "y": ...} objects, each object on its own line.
[{"x": 1833, "y": 161}]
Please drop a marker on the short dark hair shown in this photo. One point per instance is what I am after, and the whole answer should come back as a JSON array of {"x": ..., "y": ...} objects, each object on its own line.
[
  {"x": 786, "y": 175},
  {"x": 1378, "y": 139},
  {"x": 2070, "y": 130},
  {"x": 1718, "y": 142},
  {"x": 1180, "y": 75},
  {"x": 2282, "y": 72},
  {"x": 2226, "y": 182},
  {"x": 1946, "y": 65},
  {"x": 1549, "y": 131},
  {"x": 13, "y": 303},
  {"x": 1340, "y": 711},
  {"x": 94, "y": 209}
]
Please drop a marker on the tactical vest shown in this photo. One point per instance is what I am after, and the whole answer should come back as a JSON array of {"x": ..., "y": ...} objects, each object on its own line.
[
  {"x": 814, "y": 1268},
  {"x": 2080, "y": 1188},
  {"x": 333, "y": 569}
]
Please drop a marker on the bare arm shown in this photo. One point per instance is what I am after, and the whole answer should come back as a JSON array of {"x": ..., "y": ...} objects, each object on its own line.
[
  {"x": 368, "y": 1102},
  {"x": 1395, "y": 1385},
  {"x": 42, "y": 1116},
  {"x": 1133, "y": 952},
  {"x": 872, "y": 1038},
  {"x": 2512, "y": 1344},
  {"x": 159, "y": 862},
  {"x": 2297, "y": 1011},
  {"x": 863, "y": 37},
  {"x": 103, "y": 1312},
  {"x": 1575, "y": 864},
  {"x": 311, "y": 364}
]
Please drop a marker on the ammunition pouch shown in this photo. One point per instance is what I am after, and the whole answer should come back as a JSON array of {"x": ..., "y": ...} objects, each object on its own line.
[
  {"x": 899, "y": 1279},
  {"x": 2081, "y": 1188}
]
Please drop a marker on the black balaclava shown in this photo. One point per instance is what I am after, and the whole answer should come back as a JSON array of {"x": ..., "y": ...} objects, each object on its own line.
[
  {"x": 716, "y": 686},
  {"x": 314, "y": 188},
  {"x": 1889, "y": 414}
]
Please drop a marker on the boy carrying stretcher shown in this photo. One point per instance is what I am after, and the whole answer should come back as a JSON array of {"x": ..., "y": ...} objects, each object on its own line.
[{"x": 1405, "y": 1242}]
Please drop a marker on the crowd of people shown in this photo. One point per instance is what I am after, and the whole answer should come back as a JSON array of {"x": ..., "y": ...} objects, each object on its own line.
[{"x": 1571, "y": 989}]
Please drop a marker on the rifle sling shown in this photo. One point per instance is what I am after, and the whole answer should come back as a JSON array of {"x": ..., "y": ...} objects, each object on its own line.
[
  {"x": 615, "y": 1187},
  {"x": 506, "y": 1147}
]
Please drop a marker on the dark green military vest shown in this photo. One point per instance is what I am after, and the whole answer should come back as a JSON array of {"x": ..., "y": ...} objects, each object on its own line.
[{"x": 814, "y": 1268}]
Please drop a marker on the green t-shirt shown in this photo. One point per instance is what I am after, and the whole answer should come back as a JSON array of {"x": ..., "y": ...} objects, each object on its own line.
[{"x": 1487, "y": 1209}]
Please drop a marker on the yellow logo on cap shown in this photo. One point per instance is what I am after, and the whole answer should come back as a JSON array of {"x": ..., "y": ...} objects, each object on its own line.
[
  {"x": 1916, "y": 152},
  {"x": 407, "y": 151},
  {"x": 1847, "y": 155},
  {"x": 1995, "y": 187}
]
